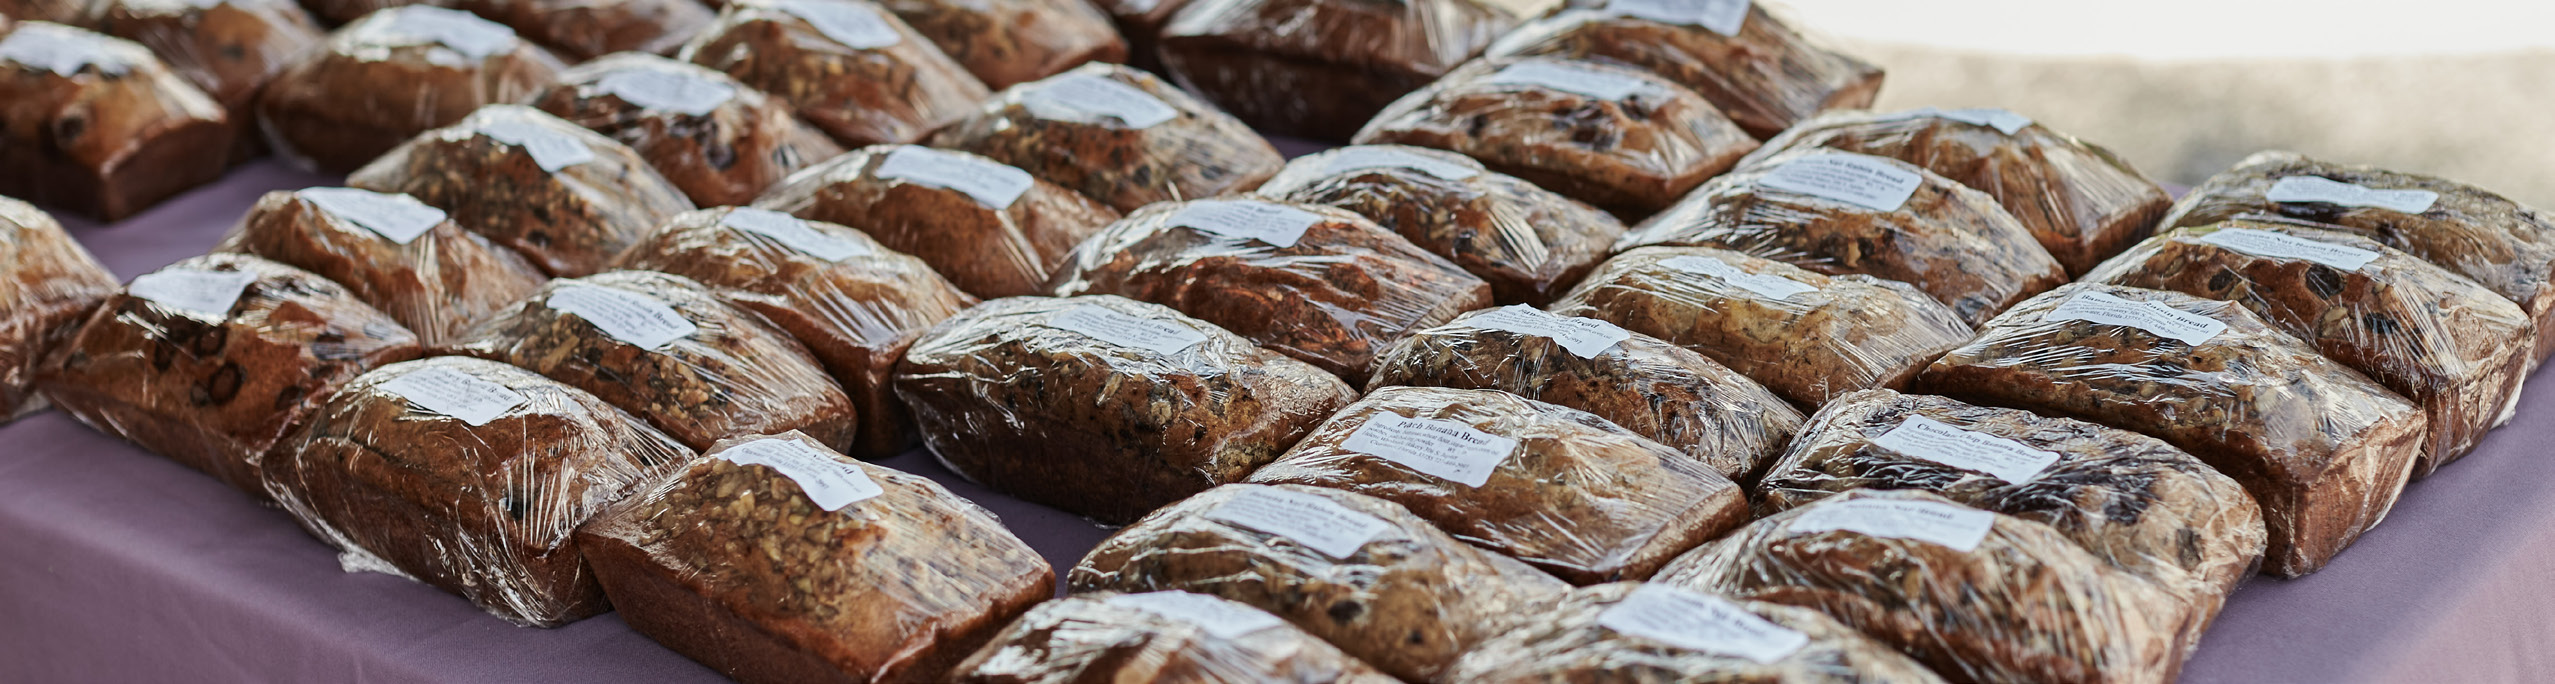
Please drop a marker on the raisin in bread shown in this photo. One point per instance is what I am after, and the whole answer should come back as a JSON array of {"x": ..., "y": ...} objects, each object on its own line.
[
  {"x": 393, "y": 75},
  {"x": 568, "y": 198},
  {"x": 991, "y": 228},
  {"x": 98, "y": 125},
  {"x": 1748, "y": 63},
  {"x": 395, "y": 253},
  {"x": 722, "y": 143},
  {"x": 857, "y": 72},
  {"x": 48, "y": 286},
  {"x": 1528, "y": 242},
  {"x": 1118, "y": 135}
]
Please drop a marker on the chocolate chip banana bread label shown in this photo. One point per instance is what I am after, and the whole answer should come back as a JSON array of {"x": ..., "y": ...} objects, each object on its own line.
[
  {"x": 853, "y": 24},
  {"x": 2329, "y": 191},
  {"x": 792, "y": 232},
  {"x": 1768, "y": 286},
  {"x": 1220, "y": 618},
  {"x": 2158, "y": 319},
  {"x": 1276, "y": 224},
  {"x": 1078, "y": 96},
  {"x": 455, "y": 393},
  {"x": 1586, "y": 337},
  {"x": 61, "y": 50},
  {"x": 1569, "y": 78},
  {"x": 1352, "y": 159},
  {"x": 2266, "y": 243},
  {"x": 630, "y": 317},
  {"x": 399, "y": 218},
  {"x": 1318, "y": 523},
  {"x": 1936, "y": 441},
  {"x": 1724, "y": 17},
  {"x": 669, "y": 91},
  {"x": 829, "y": 482},
  {"x": 1868, "y": 181},
  {"x": 551, "y": 149},
  {"x": 1957, "y": 527},
  {"x": 461, "y": 31},
  {"x": 1700, "y": 622},
  {"x": 1106, "y": 325},
  {"x": 991, "y": 183},
  {"x": 201, "y": 293},
  {"x": 1439, "y": 448}
]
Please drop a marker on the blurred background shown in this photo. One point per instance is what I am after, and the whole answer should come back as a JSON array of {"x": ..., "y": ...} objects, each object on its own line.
[{"x": 2184, "y": 88}]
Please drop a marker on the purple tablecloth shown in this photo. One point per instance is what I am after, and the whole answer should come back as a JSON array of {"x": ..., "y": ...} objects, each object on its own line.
[{"x": 119, "y": 566}]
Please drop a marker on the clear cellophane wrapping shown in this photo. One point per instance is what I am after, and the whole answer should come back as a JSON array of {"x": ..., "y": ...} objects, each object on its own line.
[
  {"x": 862, "y": 94},
  {"x": 377, "y": 82},
  {"x": 104, "y": 128},
  {"x": 571, "y": 221},
  {"x": 438, "y": 284},
  {"x": 1199, "y": 151},
  {"x": 1321, "y": 68},
  {"x": 990, "y": 252},
  {"x": 1571, "y": 642},
  {"x": 1093, "y": 638},
  {"x": 48, "y": 285},
  {"x": 746, "y": 141},
  {"x": 1529, "y": 243},
  {"x": 1767, "y": 77}
]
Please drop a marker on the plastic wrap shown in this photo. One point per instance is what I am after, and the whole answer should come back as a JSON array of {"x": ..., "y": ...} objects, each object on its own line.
[
  {"x": 1751, "y": 65},
  {"x": 1948, "y": 240},
  {"x": 1612, "y": 136},
  {"x": 1336, "y": 294},
  {"x": 393, "y": 75},
  {"x": 773, "y": 560},
  {"x": 2021, "y": 604},
  {"x": 471, "y": 476},
  {"x": 566, "y": 197},
  {"x": 1807, "y": 337},
  {"x": 1118, "y": 135},
  {"x": 1148, "y": 639},
  {"x": 48, "y": 286},
  {"x": 1669, "y": 394},
  {"x": 1105, "y": 406},
  {"x": 100, "y": 126},
  {"x": 720, "y": 142},
  {"x": 667, "y": 349},
  {"x": 2322, "y": 448},
  {"x": 2133, "y": 501},
  {"x": 1528, "y": 242},
  {"x": 1561, "y": 489},
  {"x": 2080, "y": 201},
  {"x": 1010, "y": 42},
  {"x": 1321, "y": 68},
  {"x": 2444, "y": 342},
  {"x": 212, "y": 360},
  {"x": 1698, "y": 639},
  {"x": 228, "y": 48},
  {"x": 856, "y": 71},
  {"x": 581, "y": 30},
  {"x": 347, "y": 11},
  {"x": 438, "y": 282},
  {"x": 2502, "y": 244},
  {"x": 57, "y": 11},
  {"x": 855, "y": 304},
  {"x": 955, "y": 211},
  {"x": 1357, "y": 571}
]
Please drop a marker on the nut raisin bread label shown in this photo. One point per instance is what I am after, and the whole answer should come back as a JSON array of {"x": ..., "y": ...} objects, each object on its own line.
[
  {"x": 2264, "y": 243},
  {"x": 1571, "y": 78},
  {"x": 1872, "y": 182},
  {"x": 667, "y": 90},
  {"x": 1091, "y": 97},
  {"x": 2329, "y": 191},
  {"x": 990, "y": 183},
  {"x": 398, "y": 217},
  {"x": 1439, "y": 448},
  {"x": 202, "y": 293},
  {"x": 1768, "y": 286},
  {"x": 1586, "y": 337},
  {"x": 2158, "y": 319},
  {"x": 454, "y": 393},
  {"x": 1276, "y": 224},
  {"x": 1107, "y": 325},
  {"x": 60, "y": 49},
  {"x": 1353, "y": 159},
  {"x": 460, "y": 31},
  {"x": 1317, "y": 523},
  {"x": 1220, "y": 618},
  {"x": 1724, "y": 17},
  {"x": 1700, "y": 622},
  {"x": 792, "y": 232},
  {"x": 1953, "y": 526},
  {"x": 855, "y": 25},
  {"x": 1936, "y": 441},
  {"x": 550, "y": 148},
  {"x": 630, "y": 317},
  {"x": 830, "y": 482}
]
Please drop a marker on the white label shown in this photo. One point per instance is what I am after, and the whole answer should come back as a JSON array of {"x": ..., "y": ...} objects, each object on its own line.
[
  {"x": 1221, "y": 618},
  {"x": 828, "y": 481},
  {"x": 206, "y": 293},
  {"x": 1724, "y": 17},
  {"x": 1869, "y": 181},
  {"x": 1120, "y": 329},
  {"x": 551, "y": 149},
  {"x": 61, "y": 50},
  {"x": 398, "y": 217},
  {"x": 2320, "y": 189},
  {"x": 1085, "y": 96},
  {"x": 855, "y": 25},
  {"x": 2163, "y": 321},
  {"x": 1699, "y": 622},
  {"x": 1570, "y": 78},
  {"x": 1349, "y": 159},
  {"x": 630, "y": 317},
  {"x": 1936, "y": 441},
  {"x": 2279, "y": 246},
  {"x": 1960, "y": 528},
  {"x": 1587, "y": 337},
  {"x": 1316, "y": 522},
  {"x": 993, "y": 184},
  {"x": 792, "y": 232},
  {"x": 2003, "y": 121},
  {"x": 461, "y": 31},
  {"x": 1276, "y": 224},
  {"x": 667, "y": 90},
  {"x": 1439, "y": 448},
  {"x": 454, "y": 393},
  {"x": 1768, "y": 286}
]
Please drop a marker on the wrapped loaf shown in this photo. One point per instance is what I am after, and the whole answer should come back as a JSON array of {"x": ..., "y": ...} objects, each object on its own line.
[
  {"x": 392, "y": 75},
  {"x": 399, "y": 255},
  {"x": 228, "y": 48},
  {"x": 97, "y": 125},
  {"x": 48, "y": 286},
  {"x": 722, "y": 143},
  {"x": 1167, "y": 637},
  {"x": 1118, "y": 135},
  {"x": 1321, "y": 68},
  {"x": 1659, "y": 634},
  {"x": 857, "y": 72},
  {"x": 991, "y": 228},
  {"x": 1736, "y": 55},
  {"x": 57, "y": 11},
  {"x": 1009, "y": 42},
  {"x": 581, "y": 30},
  {"x": 1529, "y": 243}
]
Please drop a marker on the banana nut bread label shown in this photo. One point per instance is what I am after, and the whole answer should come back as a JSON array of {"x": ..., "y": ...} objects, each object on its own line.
[
  {"x": 630, "y": 317},
  {"x": 2326, "y": 190},
  {"x": 1276, "y": 224},
  {"x": 830, "y": 482},
  {"x": 1084, "y": 96},
  {"x": 1953, "y": 526},
  {"x": 201, "y": 293},
  {"x": 1872, "y": 182},
  {"x": 1700, "y": 622},
  {"x": 1586, "y": 337},
  {"x": 2264, "y": 243},
  {"x": 672, "y": 91},
  {"x": 856, "y": 25},
  {"x": 792, "y": 232},
  {"x": 397, "y": 217},
  {"x": 1439, "y": 448},
  {"x": 2158, "y": 319},
  {"x": 1107, "y": 325},
  {"x": 991, "y": 183},
  {"x": 1936, "y": 441},
  {"x": 1318, "y": 523},
  {"x": 457, "y": 30},
  {"x": 454, "y": 393}
]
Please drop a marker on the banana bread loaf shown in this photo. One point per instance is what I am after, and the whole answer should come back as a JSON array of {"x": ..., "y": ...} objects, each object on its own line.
[
  {"x": 1009, "y": 42},
  {"x": 393, "y": 252},
  {"x": 228, "y": 48},
  {"x": 1658, "y": 634},
  {"x": 720, "y": 142},
  {"x": 1168, "y": 637},
  {"x": 48, "y": 286},
  {"x": 1320, "y": 68},
  {"x": 857, "y": 72},
  {"x": 392, "y": 75},
  {"x": 1736, "y": 55},
  {"x": 97, "y": 125},
  {"x": 991, "y": 228},
  {"x": 1118, "y": 135},
  {"x": 581, "y": 30},
  {"x": 1528, "y": 242}
]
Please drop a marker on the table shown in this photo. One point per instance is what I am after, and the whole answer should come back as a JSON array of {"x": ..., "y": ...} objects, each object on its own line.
[{"x": 119, "y": 566}]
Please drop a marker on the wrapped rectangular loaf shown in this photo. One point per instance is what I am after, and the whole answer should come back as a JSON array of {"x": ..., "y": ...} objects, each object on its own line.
[
  {"x": 1528, "y": 242},
  {"x": 48, "y": 286},
  {"x": 1635, "y": 633},
  {"x": 568, "y": 198},
  {"x": 991, "y": 228},
  {"x": 1116, "y": 134},
  {"x": 228, "y": 48},
  {"x": 1321, "y": 68},
  {"x": 1105, "y": 406},
  {"x": 774, "y": 560},
  {"x": 395, "y": 253},
  {"x": 392, "y": 75},
  {"x": 2321, "y": 447},
  {"x": 718, "y": 140},
  {"x": 1009, "y": 42},
  {"x": 97, "y": 125},
  {"x": 1737, "y": 55},
  {"x": 1166, "y": 637},
  {"x": 857, "y": 72},
  {"x": 581, "y": 30},
  {"x": 471, "y": 476}
]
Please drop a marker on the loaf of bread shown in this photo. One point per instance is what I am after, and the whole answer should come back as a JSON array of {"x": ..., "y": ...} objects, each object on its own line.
[
  {"x": 1974, "y": 595},
  {"x": 2321, "y": 447},
  {"x": 856, "y": 71},
  {"x": 1104, "y": 406},
  {"x": 212, "y": 360},
  {"x": 2501, "y": 244},
  {"x": 2080, "y": 201},
  {"x": 1170, "y": 637},
  {"x": 347, "y": 11},
  {"x": 1752, "y": 66},
  {"x": 722, "y": 143},
  {"x": 48, "y": 286},
  {"x": 1308, "y": 281},
  {"x": 1839, "y": 213},
  {"x": 1808, "y": 337},
  {"x": 228, "y": 48},
  {"x": 991, "y": 228},
  {"x": 1009, "y": 42},
  {"x": 70, "y": 12},
  {"x": 773, "y": 560},
  {"x": 669, "y": 350},
  {"x": 1118, "y": 135},
  {"x": 1657, "y": 634},
  {"x": 1359, "y": 572},
  {"x": 2444, "y": 342},
  {"x": 392, "y": 75},
  {"x": 471, "y": 476},
  {"x": 854, "y": 304},
  {"x": 97, "y": 125},
  {"x": 1321, "y": 68},
  {"x": 1528, "y": 242},
  {"x": 393, "y": 252},
  {"x": 581, "y": 30},
  {"x": 1608, "y": 135},
  {"x": 566, "y": 197}
]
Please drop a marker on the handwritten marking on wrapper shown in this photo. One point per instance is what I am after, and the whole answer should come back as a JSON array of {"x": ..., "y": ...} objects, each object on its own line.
[
  {"x": 1089, "y": 97},
  {"x": 1724, "y": 17},
  {"x": 207, "y": 294},
  {"x": 1278, "y": 225},
  {"x": 1439, "y": 448},
  {"x": 630, "y": 317},
  {"x": 2265, "y": 243},
  {"x": 455, "y": 393},
  {"x": 2329, "y": 191},
  {"x": 993, "y": 184},
  {"x": 1936, "y": 441},
  {"x": 1317, "y": 523},
  {"x": 1864, "y": 180},
  {"x": 670, "y": 91},
  {"x": 2158, "y": 319},
  {"x": 1953, "y": 526},
  {"x": 1221, "y": 619},
  {"x": 793, "y": 232},
  {"x": 1120, "y": 329},
  {"x": 1586, "y": 337},
  {"x": 830, "y": 483},
  {"x": 399, "y": 218},
  {"x": 1700, "y": 622}
]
